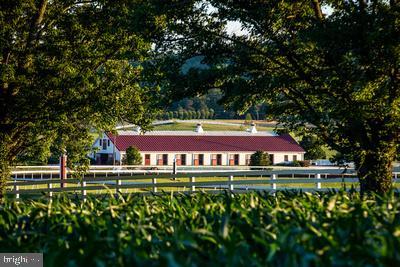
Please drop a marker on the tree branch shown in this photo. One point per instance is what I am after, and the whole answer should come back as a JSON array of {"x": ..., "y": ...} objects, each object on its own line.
[
  {"x": 36, "y": 21},
  {"x": 317, "y": 10}
]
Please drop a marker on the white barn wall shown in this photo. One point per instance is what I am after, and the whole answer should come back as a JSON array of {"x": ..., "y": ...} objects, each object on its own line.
[
  {"x": 278, "y": 157},
  {"x": 110, "y": 148}
]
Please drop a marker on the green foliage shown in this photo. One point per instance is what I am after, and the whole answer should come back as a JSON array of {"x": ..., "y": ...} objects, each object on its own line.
[
  {"x": 260, "y": 158},
  {"x": 132, "y": 156},
  {"x": 340, "y": 159},
  {"x": 335, "y": 76},
  {"x": 66, "y": 68},
  {"x": 313, "y": 147},
  {"x": 296, "y": 163},
  {"x": 212, "y": 99},
  {"x": 248, "y": 118},
  {"x": 207, "y": 230}
]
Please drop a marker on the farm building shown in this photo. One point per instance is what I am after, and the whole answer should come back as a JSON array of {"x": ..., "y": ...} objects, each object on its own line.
[{"x": 197, "y": 147}]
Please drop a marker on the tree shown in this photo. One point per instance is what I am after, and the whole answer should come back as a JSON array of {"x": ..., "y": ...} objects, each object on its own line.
[
  {"x": 313, "y": 147},
  {"x": 167, "y": 116},
  {"x": 338, "y": 73},
  {"x": 66, "y": 68},
  {"x": 260, "y": 158},
  {"x": 212, "y": 113},
  {"x": 248, "y": 118},
  {"x": 133, "y": 156},
  {"x": 185, "y": 115},
  {"x": 340, "y": 159}
]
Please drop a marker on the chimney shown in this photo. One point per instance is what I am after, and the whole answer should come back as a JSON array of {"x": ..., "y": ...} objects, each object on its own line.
[
  {"x": 252, "y": 128},
  {"x": 199, "y": 128}
]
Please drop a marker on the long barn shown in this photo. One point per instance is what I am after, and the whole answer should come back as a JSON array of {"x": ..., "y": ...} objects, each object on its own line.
[{"x": 197, "y": 148}]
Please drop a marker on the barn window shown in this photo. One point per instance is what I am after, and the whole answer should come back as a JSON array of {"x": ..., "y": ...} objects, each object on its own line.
[
  {"x": 165, "y": 159},
  {"x": 183, "y": 159},
  {"x": 104, "y": 144},
  {"x": 216, "y": 159},
  {"x": 201, "y": 159},
  {"x": 180, "y": 159},
  {"x": 234, "y": 159},
  {"x": 147, "y": 159}
]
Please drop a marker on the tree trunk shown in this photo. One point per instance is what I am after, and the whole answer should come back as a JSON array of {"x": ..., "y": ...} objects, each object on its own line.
[{"x": 374, "y": 169}]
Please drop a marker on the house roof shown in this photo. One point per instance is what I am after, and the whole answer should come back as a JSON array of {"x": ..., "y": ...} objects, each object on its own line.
[{"x": 152, "y": 143}]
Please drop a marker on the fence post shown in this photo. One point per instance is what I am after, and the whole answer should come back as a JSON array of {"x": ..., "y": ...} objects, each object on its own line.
[
  {"x": 273, "y": 185},
  {"x": 192, "y": 186},
  {"x": 230, "y": 182},
  {"x": 118, "y": 182},
  {"x": 318, "y": 184},
  {"x": 154, "y": 181},
  {"x": 83, "y": 183},
  {"x": 16, "y": 189},
  {"x": 50, "y": 186}
]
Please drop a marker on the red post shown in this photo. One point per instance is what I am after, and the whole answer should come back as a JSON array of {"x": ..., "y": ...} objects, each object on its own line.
[{"x": 63, "y": 168}]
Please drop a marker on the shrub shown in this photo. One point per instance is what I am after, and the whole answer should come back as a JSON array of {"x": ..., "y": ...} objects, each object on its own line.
[
  {"x": 132, "y": 156},
  {"x": 305, "y": 163},
  {"x": 260, "y": 158},
  {"x": 296, "y": 163}
]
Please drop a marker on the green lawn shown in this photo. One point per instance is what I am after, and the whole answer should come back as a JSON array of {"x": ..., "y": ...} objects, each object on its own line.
[{"x": 186, "y": 188}]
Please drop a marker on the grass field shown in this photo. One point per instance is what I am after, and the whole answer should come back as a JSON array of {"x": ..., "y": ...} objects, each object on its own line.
[
  {"x": 177, "y": 126},
  {"x": 207, "y": 230},
  {"x": 186, "y": 180}
]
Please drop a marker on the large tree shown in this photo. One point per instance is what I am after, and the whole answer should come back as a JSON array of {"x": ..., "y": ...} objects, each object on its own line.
[
  {"x": 337, "y": 71},
  {"x": 67, "y": 67}
]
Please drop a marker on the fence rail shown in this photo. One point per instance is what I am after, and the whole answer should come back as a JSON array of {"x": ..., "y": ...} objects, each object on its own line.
[{"x": 305, "y": 179}]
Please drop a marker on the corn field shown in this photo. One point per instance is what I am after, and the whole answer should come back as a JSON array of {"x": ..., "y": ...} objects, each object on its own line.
[{"x": 255, "y": 229}]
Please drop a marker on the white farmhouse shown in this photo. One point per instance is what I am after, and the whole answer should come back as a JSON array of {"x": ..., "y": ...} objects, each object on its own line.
[{"x": 197, "y": 148}]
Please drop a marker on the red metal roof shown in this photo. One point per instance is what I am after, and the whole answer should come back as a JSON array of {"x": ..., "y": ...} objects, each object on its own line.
[{"x": 282, "y": 143}]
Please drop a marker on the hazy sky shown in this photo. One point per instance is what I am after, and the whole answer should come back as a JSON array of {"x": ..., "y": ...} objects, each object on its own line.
[{"x": 236, "y": 27}]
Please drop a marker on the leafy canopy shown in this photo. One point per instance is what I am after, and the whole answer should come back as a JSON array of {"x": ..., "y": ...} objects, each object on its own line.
[
  {"x": 68, "y": 67},
  {"x": 337, "y": 72},
  {"x": 313, "y": 147}
]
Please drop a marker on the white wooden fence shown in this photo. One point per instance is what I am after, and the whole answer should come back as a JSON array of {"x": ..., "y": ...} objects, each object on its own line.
[{"x": 33, "y": 183}]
